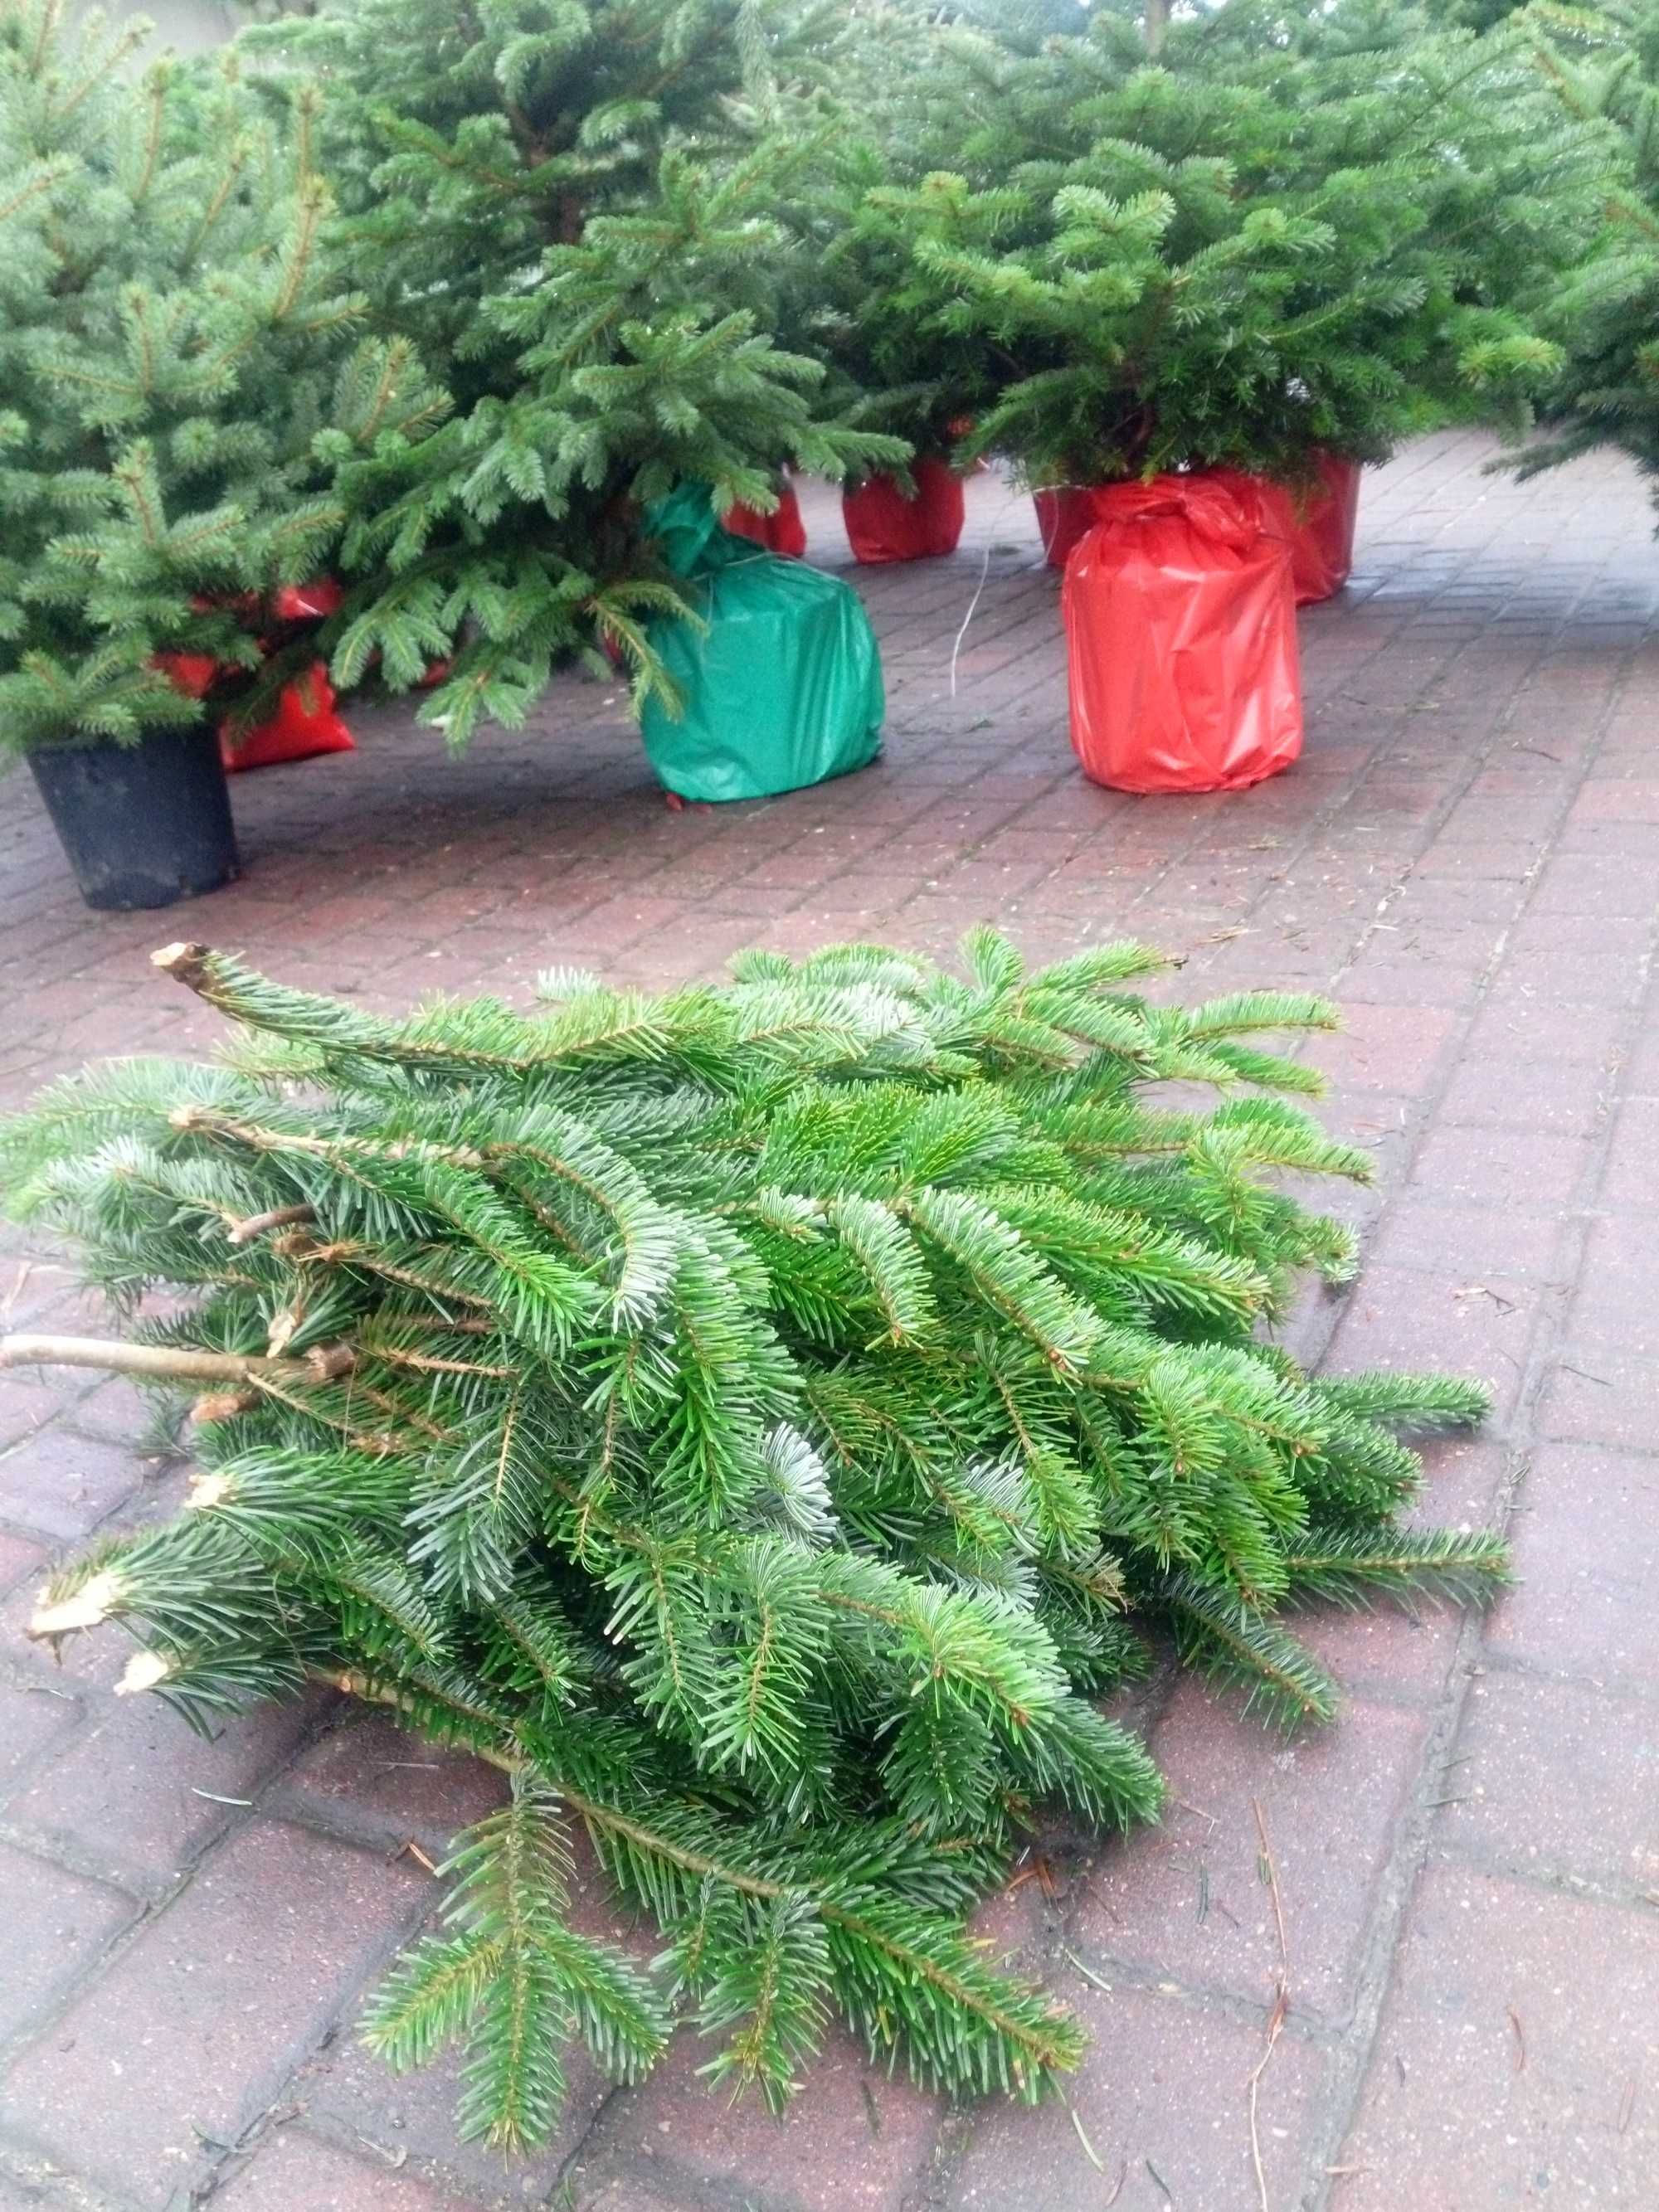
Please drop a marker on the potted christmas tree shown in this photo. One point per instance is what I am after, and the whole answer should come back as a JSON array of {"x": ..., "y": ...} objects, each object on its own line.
[
  {"x": 1232, "y": 266},
  {"x": 1505, "y": 197},
  {"x": 1603, "y": 63},
  {"x": 1258, "y": 253},
  {"x": 583, "y": 219},
  {"x": 901, "y": 369},
  {"x": 169, "y": 339}
]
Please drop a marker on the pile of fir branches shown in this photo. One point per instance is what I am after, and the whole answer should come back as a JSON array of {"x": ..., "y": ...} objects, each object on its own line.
[{"x": 758, "y": 1418}]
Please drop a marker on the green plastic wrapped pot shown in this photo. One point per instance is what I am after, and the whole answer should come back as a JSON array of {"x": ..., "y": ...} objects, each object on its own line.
[{"x": 782, "y": 689}]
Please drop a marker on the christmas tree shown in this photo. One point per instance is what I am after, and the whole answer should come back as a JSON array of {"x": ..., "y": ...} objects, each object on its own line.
[
  {"x": 897, "y": 364},
  {"x": 174, "y": 336},
  {"x": 852, "y": 301},
  {"x": 759, "y": 1419},
  {"x": 1603, "y": 63},
  {"x": 1238, "y": 237},
  {"x": 581, "y": 216}
]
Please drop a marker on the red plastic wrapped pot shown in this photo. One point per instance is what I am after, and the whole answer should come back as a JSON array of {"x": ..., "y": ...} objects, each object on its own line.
[
  {"x": 1321, "y": 550},
  {"x": 1063, "y": 515},
  {"x": 313, "y": 602},
  {"x": 1181, "y": 639},
  {"x": 780, "y": 532},
  {"x": 883, "y": 523},
  {"x": 1317, "y": 525},
  {"x": 192, "y": 673},
  {"x": 304, "y": 723}
]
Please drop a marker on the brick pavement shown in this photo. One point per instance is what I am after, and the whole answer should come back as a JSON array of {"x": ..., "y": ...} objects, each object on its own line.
[{"x": 1469, "y": 857}]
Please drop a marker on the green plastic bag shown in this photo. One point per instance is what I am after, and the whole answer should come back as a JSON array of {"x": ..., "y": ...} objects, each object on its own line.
[{"x": 782, "y": 689}]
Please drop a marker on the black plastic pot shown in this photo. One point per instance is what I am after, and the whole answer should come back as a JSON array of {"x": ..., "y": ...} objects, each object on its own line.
[{"x": 142, "y": 824}]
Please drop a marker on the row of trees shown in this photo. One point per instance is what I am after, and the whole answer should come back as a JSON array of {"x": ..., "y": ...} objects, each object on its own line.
[{"x": 445, "y": 298}]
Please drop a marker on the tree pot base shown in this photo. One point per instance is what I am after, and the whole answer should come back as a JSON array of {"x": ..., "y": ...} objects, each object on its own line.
[{"x": 142, "y": 825}]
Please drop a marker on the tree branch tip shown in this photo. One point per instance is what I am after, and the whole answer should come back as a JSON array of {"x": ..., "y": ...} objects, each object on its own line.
[
  {"x": 279, "y": 1217},
  {"x": 185, "y": 962},
  {"x": 221, "y": 1406}
]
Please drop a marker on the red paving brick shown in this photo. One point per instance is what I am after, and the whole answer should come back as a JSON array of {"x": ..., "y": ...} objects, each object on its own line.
[
  {"x": 296, "y": 2173},
  {"x": 1521, "y": 1735},
  {"x": 1463, "y": 1476},
  {"x": 1587, "y": 1564},
  {"x": 1384, "y": 1048},
  {"x": 20, "y": 1557},
  {"x": 27, "y": 1403},
  {"x": 1405, "y": 1656},
  {"x": 1467, "y": 857},
  {"x": 1502, "y": 1168},
  {"x": 1164, "y": 2108},
  {"x": 1419, "y": 1232},
  {"x": 1615, "y": 1306},
  {"x": 376, "y": 1781},
  {"x": 1189, "y": 1898},
  {"x": 858, "y": 2142},
  {"x": 1518, "y": 2056},
  {"x": 1603, "y": 1397},
  {"x": 31, "y": 1717},
  {"x": 1470, "y": 1323},
  {"x": 60, "y": 1485},
  {"x": 191, "y": 2033},
  {"x": 54, "y": 1926},
  {"x": 139, "y": 1795},
  {"x": 1632, "y": 1168}
]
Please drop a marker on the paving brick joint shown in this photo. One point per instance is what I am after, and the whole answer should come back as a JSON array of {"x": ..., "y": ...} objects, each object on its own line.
[{"x": 1467, "y": 858}]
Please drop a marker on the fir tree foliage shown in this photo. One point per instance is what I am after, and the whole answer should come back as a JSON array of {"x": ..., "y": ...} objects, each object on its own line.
[
  {"x": 1233, "y": 235},
  {"x": 760, "y": 1419},
  {"x": 586, "y": 216},
  {"x": 1603, "y": 65},
  {"x": 174, "y": 336},
  {"x": 899, "y": 367}
]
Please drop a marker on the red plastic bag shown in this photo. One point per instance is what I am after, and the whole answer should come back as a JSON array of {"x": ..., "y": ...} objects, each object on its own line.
[
  {"x": 1181, "y": 639},
  {"x": 1318, "y": 525},
  {"x": 192, "y": 673},
  {"x": 884, "y": 525},
  {"x": 1322, "y": 551},
  {"x": 304, "y": 723},
  {"x": 780, "y": 532},
  {"x": 1063, "y": 515},
  {"x": 311, "y": 601}
]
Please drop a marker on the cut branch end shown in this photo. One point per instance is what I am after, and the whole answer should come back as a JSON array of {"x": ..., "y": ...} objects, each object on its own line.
[{"x": 186, "y": 963}]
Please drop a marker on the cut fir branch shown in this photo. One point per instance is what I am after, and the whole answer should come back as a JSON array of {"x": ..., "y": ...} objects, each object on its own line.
[
  {"x": 161, "y": 1363},
  {"x": 667, "y": 1856},
  {"x": 759, "y": 1418}
]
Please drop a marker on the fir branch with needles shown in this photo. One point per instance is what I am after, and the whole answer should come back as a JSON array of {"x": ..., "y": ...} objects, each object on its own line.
[{"x": 760, "y": 1419}]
